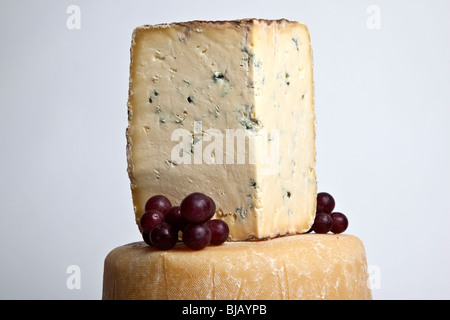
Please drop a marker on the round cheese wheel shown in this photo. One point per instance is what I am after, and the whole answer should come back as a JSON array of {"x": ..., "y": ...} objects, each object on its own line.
[{"x": 306, "y": 266}]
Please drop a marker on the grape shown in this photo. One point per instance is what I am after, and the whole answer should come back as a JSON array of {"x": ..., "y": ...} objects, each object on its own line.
[
  {"x": 196, "y": 207},
  {"x": 325, "y": 202},
  {"x": 340, "y": 222},
  {"x": 196, "y": 236},
  {"x": 158, "y": 202},
  {"x": 219, "y": 231},
  {"x": 174, "y": 217},
  {"x": 164, "y": 236},
  {"x": 146, "y": 238},
  {"x": 213, "y": 208},
  {"x": 322, "y": 223},
  {"x": 150, "y": 219}
]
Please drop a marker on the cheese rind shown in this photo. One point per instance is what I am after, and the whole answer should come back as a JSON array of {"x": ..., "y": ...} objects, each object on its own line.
[
  {"x": 308, "y": 267},
  {"x": 216, "y": 81}
]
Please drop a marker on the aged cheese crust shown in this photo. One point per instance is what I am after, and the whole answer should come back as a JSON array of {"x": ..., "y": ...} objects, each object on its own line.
[
  {"x": 263, "y": 81},
  {"x": 308, "y": 267}
]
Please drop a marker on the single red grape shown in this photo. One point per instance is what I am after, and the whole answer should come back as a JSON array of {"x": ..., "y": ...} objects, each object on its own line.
[
  {"x": 196, "y": 207},
  {"x": 219, "y": 231},
  {"x": 158, "y": 202},
  {"x": 164, "y": 236},
  {"x": 213, "y": 209},
  {"x": 322, "y": 223},
  {"x": 340, "y": 222},
  {"x": 150, "y": 219},
  {"x": 146, "y": 238},
  {"x": 196, "y": 236},
  {"x": 325, "y": 202},
  {"x": 174, "y": 217}
]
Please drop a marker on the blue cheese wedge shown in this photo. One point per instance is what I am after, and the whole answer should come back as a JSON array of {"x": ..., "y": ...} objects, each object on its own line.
[{"x": 226, "y": 108}]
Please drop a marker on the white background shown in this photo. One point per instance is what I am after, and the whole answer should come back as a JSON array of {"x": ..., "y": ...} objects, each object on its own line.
[{"x": 383, "y": 109}]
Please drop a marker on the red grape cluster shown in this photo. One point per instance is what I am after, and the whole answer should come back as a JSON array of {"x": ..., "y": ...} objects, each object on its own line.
[
  {"x": 161, "y": 222},
  {"x": 326, "y": 220}
]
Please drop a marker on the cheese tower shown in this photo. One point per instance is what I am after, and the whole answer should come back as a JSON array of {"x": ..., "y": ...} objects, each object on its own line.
[{"x": 227, "y": 109}]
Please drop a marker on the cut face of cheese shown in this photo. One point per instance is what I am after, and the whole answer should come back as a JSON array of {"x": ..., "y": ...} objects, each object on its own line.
[
  {"x": 227, "y": 109},
  {"x": 307, "y": 266}
]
